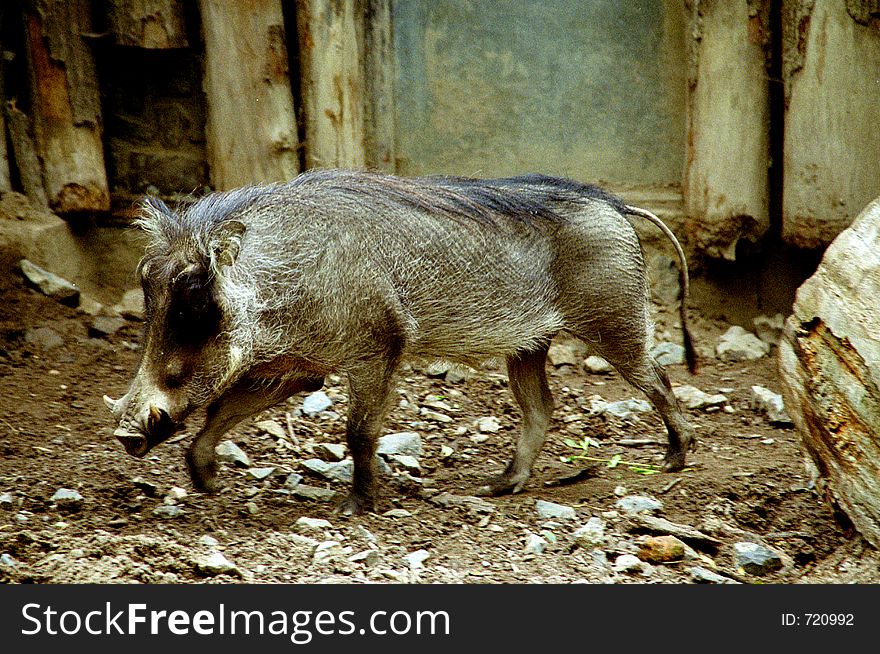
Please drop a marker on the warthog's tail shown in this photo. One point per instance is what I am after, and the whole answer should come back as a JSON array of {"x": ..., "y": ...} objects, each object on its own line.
[{"x": 683, "y": 282}]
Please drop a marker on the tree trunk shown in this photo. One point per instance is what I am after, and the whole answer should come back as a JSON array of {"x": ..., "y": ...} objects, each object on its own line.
[
  {"x": 66, "y": 106},
  {"x": 379, "y": 127},
  {"x": 331, "y": 43},
  {"x": 25, "y": 152},
  {"x": 251, "y": 130},
  {"x": 151, "y": 24}
]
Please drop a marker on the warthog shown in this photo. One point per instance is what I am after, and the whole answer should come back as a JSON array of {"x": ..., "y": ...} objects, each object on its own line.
[{"x": 256, "y": 294}]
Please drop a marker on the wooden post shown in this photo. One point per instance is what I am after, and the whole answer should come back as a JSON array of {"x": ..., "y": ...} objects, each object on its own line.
[
  {"x": 251, "y": 130},
  {"x": 151, "y": 24},
  {"x": 66, "y": 106},
  {"x": 331, "y": 43},
  {"x": 379, "y": 125},
  {"x": 726, "y": 188}
]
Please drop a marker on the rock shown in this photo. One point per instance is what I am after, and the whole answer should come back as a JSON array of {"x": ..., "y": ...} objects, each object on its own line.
[
  {"x": 293, "y": 480},
  {"x": 131, "y": 305},
  {"x": 703, "y": 576},
  {"x": 771, "y": 404},
  {"x": 655, "y": 524},
  {"x": 397, "y": 513},
  {"x": 316, "y": 402},
  {"x": 208, "y": 541},
  {"x": 7, "y": 501},
  {"x": 597, "y": 365},
  {"x": 633, "y": 504},
  {"x": 90, "y": 306},
  {"x": 341, "y": 471},
  {"x": 534, "y": 544},
  {"x": 416, "y": 560},
  {"x": 436, "y": 416},
  {"x": 103, "y": 326},
  {"x": 630, "y": 563},
  {"x": 487, "y": 425},
  {"x": 457, "y": 375},
  {"x": 627, "y": 408},
  {"x": 661, "y": 549},
  {"x": 67, "y": 499},
  {"x": 8, "y": 561},
  {"x": 591, "y": 534},
  {"x": 168, "y": 511},
  {"x": 313, "y": 493},
  {"x": 330, "y": 451},
  {"x": 148, "y": 488},
  {"x": 470, "y": 503},
  {"x": 261, "y": 473},
  {"x": 50, "y": 284},
  {"x": 737, "y": 344},
  {"x": 829, "y": 362},
  {"x": 692, "y": 397},
  {"x": 45, "y": 338},
  {"x": 229, "y": 452},
  {"x": 756, "y": 559},
  {"x": 368, "y": 557},
  {"x": 769, "y": 329},
  {"x": 311, "y": 525},
  {"x": 216, "y": 564},
  {"x": 408, "y": 443},
  {"x": 436, "y": 369},
  {"x": 272, "y": 428},
  {"x": 562, "y": 355},
  {"x": 408, "y": 463},
  {"x": 668, "y": 354},
  {"x": 176, "y": 494},
  {"x": 327, "y": 550},
  {"x": 552, "y": 511}
]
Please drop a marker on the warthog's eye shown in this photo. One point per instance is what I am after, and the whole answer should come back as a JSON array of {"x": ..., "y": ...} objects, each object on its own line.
[{"x": 193, "y": 313}]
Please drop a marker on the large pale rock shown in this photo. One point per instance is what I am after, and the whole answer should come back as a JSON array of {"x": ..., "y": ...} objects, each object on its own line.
[{"x": 829, "y": 360}]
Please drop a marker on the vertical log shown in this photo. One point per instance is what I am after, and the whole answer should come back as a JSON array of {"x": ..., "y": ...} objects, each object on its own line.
[
  {"x": 25, "y": 152},
  {"x": 151, "y": 24},
  {"x": 331, "y": 42},
  {"x": 832, "y": 113},
  {"x": 251, "y": 127},
  {"x": 379, "y": 125},
  {"x": 66, "y": 106},
  {"x": 726, "y": 184}
]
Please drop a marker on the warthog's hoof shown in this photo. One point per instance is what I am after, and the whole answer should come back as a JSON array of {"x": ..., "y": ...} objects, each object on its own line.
[
  {"x": 204, "y": 477},
  {"x": 674, "y": 461},
  {"x": 503, "y": 484},
  {"x": 355, "y": 504}
]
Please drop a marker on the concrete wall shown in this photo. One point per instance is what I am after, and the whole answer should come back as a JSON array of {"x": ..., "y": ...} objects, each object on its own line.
[{"x": 592, "y": 90}]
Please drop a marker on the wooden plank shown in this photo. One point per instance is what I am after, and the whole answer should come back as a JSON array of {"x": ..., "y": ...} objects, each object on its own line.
[
  {"x": 332, "y": 85},
  {"x": 379, "y": 73},
  {"x": 151, "y": 24},
  {"x": 30, "y": 172},
  {"x": 251, "y": 126},
  {"x": 726, "y": 190},
  {"x": 832, "y": 141},
  {"x": 66, "y": 106}
]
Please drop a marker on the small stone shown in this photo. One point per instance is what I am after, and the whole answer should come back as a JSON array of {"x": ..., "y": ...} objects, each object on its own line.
[
  {"x": 272, "y": 428},
  {"x": 756, "y": 559},
  {"x": 316, "y": 402},
  {"x": 131, "y": 305},
  {"x": 368, "y": 557},
  {"x": 261, "y": 473},
  {"x": 104, "y": 326},
  {"x": 552, "y": 511},
  {"x": 416, "y": 560},
  {"x": 686, "y": 533},
  {"x": 68, "y": 499},
  {"x": 251, "y": 508},
  {"x": 341, "y": 471},
  {"x": 562, "y": 355},
  {"x": 408, "y": 443},
  {"x": 327, "y": 550},
  {"x": 704, "y": 576},
  {"x": 408, "y": 463},
  {"x": 693, "y": 398},
  {"x": 229, "y": 452},
  {"x": 628, "y": 563},
  {"x": 313, "y": 493},
  {"x": 216, "y": 563},
  {"x": 8, "y": 561},
  {"x": 534, "y": 544},
  {"x": 661, "y": 549},
  {"x": 208, "y": 541},
  {"x": 627, "y": 408},
  {"x": 311, "y": 525},
  {"x": 436, "y": 369},
  {"x": 168, "y": 511},
  {"x": 633, "y": 504},
  {"x": 457, "y": 375},
  {"x": 591, "y": 534},
  {"x": 469, "y": 502},
  {"x": 436, "y": 416},
  {"x": 50, "y": 284},
  {"x": 45, "y": 338},
  {"x": 771, "y": 404},
  {"x": 148, "y": 488},
  {"x": 91, "y": 307},
  {"x": 175, "y": 495},
  {"x": 597, "y": 365},
  {"x": 330, "y": 451},
  {"x": 488, "y": 425},
  {"x": 7, "y": 501},
  {"x": 769, "y": 329},
  {"x": 737, "y": 344},
  {"x": 668, "y": 354},
  {"x": 397, "y": 513}
]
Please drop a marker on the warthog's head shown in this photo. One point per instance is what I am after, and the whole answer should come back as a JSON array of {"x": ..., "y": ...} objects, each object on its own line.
[{"x": 188, "y": 353}]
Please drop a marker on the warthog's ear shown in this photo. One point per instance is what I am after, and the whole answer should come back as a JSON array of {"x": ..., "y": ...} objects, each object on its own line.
[{"x": 225, "y": 243}]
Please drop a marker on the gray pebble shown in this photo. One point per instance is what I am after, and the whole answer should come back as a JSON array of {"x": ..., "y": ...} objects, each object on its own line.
[
  {"x": 408, "y": 443},
  {"x": 551, "y": 511},
  {"x": 229, "y": 452},
  {"x": 316, "y": 402},
  {"x": 633, "y": 504},
  {"x": 756, "y": 559}
]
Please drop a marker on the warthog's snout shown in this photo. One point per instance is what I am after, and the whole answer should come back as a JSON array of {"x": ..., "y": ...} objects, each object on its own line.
[
  {"x": 135, "y": 444},
  {"x": 140, "y": 436}
]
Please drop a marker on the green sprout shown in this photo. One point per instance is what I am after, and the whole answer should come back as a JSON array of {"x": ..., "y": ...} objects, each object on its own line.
[{"x": 586, "y": 443}]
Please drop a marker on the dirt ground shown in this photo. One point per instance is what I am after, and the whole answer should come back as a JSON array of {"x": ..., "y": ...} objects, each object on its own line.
[{"x": 746, "y": 481}]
